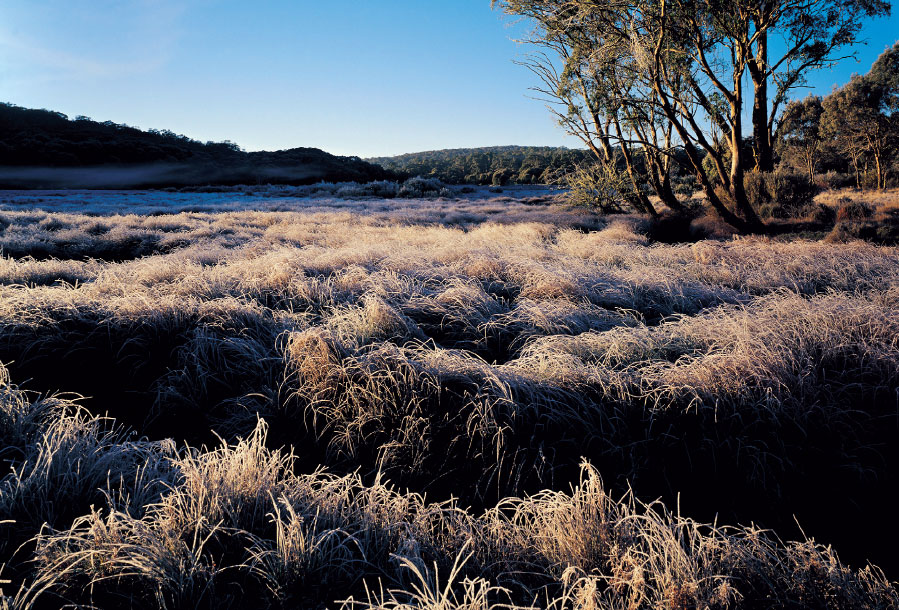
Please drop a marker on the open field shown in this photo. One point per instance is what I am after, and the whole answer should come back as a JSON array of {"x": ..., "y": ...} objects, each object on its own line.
[{"x": 472, "y": 401}]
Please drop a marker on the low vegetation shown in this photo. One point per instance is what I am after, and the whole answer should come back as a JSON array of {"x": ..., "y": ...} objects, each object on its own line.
[{"x": 365, "y": 404}]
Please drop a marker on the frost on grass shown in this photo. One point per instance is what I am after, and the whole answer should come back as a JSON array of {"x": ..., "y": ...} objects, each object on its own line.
[{"x": 456, "y": 404}]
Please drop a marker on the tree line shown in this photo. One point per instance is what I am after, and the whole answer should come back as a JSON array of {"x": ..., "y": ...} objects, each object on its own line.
[
  {"x": 496, "y": 165},
  {"x": 32, "y": 138},
  {"x": 854, "y": 130}
]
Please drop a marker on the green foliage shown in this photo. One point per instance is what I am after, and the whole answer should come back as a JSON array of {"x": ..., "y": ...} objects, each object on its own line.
[
  {"x": 861, "y": 119},
  {"x": 599, "y": 187},
  {"x": 781, "y": 194},
  {"x": 799, "y": 134},
  {"x": 657, "y": 76}
]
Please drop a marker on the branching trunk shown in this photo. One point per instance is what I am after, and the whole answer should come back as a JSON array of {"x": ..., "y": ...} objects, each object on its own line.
[
  {"x": 642, "y": 200},
  {"x": 660, "y": 179}
]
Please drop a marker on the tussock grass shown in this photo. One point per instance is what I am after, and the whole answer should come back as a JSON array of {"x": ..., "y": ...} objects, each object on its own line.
[
  {"x": 372, "y": 404},
  {"x": 236, "y": 526}
]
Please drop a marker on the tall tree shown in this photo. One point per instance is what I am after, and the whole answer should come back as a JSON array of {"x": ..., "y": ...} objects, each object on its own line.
[
  {"x": 812, "y": 33},
  {"x": 583, "y": 80},
  {"x": 883, "y": 136}
]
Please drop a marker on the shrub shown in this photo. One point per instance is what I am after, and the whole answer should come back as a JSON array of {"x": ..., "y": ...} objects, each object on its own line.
[
  {"x": 781, "y": 194},
  {"x": 599, "y": 187},
  {"x": 858, "y": 220},
  {"x": 822, "y": 214},
  {"x": 834, "y": 180},
  {"x": 794, "y": 192},
  {"x": 684, "y": 185},
  {"x": 849, "y": 209},
  {"x": 383, "y": 188},
  {"x": 421, "y": 187}
]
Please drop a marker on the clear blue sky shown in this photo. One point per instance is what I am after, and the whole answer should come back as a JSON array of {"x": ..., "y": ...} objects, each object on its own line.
[{"x": 363, "y": 77}]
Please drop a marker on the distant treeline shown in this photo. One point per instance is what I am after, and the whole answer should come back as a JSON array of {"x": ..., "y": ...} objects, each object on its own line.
[
  {"x": 42, "y": 148},
  {"x": 492, "y": 165}
]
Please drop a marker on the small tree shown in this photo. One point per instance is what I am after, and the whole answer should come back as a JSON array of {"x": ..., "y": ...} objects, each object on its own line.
[
  {"x": 602, "y": 187},
  {"x": 799, "y": 133}
]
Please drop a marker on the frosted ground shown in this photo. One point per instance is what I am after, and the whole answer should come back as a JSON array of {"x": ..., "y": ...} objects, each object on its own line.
[
  {"x": 290, "y": 397},
  {"x": 312, "y": 198}
]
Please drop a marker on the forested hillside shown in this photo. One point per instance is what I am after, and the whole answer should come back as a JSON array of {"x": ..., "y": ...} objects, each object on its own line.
[
  {"x": 491, "y": 165},
  {"x": 42, "y": 148}
]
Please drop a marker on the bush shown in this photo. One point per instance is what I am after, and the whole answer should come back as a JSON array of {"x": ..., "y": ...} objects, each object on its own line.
[
  {"x": 794, "y": 192},
  {"x": 859, "y": 220},
  {"x": 422, "y": 187},
  {"x": 757, "y": 189},
  {"x": 884, "y": 234},
  {"x": 849, "y": 209},
  {"x": 781, "y": 194},
  {"x": 823, "y": 214},
  {"x": 384, "y": 189},
  {"x": 834, "y": 180},
  {"x": 599, "y": 187},
  {"x": 684, "y": 185}
]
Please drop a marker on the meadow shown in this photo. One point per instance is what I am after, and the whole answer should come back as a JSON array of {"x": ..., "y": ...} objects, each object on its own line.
[{"x": 312, "y": 397}]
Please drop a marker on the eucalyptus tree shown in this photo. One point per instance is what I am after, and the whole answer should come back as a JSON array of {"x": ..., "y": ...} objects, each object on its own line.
[
  {"x": 811, "y": 34},
  {"x": 587, "y": 76},
  {"x": 883, "y": 99},
  {"x": 668, "y": 74},
  {"x": 799, "y": 132},
  {"x": 862, "y": 118}
]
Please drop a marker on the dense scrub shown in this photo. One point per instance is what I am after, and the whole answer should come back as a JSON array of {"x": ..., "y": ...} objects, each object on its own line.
[{"x": 296, "y": 408}]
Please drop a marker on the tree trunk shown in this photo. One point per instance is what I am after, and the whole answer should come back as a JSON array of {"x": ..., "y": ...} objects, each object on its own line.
[
  {"x": 709, "y": 190},
  {"x": 628, "y": 162},
  {"x": 881, "y": 183},
  {"x": 666, "y": 194},
  {"x": 761, "y": 133},
  {"x": 737, "y": 169},
  {"x": 660, "y": 180},
  {"x": 696, "y": 161}
]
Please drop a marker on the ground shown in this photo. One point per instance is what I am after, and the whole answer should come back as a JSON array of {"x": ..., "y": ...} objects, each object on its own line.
[{"x": 296, "y": 397}]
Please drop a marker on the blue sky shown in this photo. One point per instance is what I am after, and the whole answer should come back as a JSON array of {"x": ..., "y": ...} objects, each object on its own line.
[{"x": 359, "y": 77}]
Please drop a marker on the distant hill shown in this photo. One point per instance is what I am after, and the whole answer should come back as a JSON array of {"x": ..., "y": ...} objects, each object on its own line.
[
  {"x": 46, "y": 149},
  {"x": 490, "y": 165}
]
